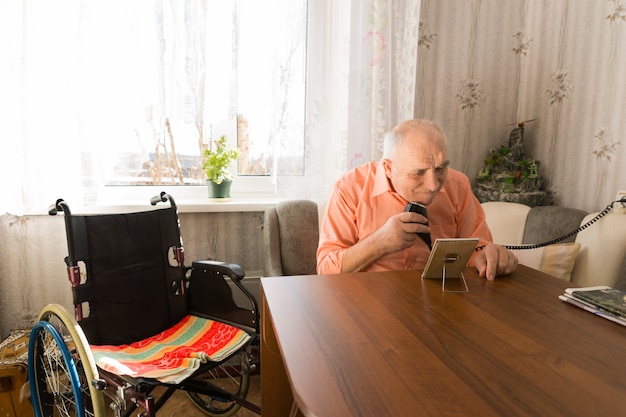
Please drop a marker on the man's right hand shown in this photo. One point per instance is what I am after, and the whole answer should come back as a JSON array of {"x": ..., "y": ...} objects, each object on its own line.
[{"x": 400, "y": 231}]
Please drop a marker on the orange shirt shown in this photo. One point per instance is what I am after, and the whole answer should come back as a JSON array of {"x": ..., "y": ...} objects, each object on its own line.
[{"x": 362, "y": 202}]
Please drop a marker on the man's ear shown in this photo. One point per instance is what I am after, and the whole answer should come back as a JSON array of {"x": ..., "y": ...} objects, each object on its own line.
[{"x": 387, "y": 164}]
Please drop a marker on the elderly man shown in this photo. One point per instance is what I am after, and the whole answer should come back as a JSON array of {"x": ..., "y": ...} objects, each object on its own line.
[{"x": 365, "y": 227}]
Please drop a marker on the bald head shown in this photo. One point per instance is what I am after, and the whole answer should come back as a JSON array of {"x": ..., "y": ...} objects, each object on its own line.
[
  {"x": 420, "y": 128},
  {"x": 415, "y": 160}
]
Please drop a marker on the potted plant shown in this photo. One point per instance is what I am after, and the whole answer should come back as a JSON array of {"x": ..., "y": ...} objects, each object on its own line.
[{"x": 217, "y": 160}]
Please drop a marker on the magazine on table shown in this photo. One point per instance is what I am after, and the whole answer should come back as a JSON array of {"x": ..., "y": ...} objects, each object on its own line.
[{"x": 607, "y": 302}]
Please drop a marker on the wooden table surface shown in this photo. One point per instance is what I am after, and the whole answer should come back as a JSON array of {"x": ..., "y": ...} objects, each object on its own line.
[{"x": 392, "y": 344}]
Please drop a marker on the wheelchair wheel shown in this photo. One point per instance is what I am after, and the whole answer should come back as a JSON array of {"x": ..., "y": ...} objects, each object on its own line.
[
  {"x": 233, "y": 377},
  {"x": 61, "y": 367}
]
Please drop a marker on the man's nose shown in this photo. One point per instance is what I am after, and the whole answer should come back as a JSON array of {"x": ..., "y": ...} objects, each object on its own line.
[{"x": 431, "y": 182}]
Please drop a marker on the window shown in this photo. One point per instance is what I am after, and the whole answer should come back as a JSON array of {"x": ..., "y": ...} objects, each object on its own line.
[
  {"x": 117, "y": 93},
  {"x": 191, "y": 75}
]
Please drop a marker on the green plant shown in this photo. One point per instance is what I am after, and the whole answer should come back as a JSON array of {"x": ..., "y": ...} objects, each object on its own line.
[
  {"x": 497, "y": 157},
  {"x": 217, "y": 160}
]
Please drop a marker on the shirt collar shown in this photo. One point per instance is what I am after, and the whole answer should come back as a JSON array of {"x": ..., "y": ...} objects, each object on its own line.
[{"x": 382, "y": 184}]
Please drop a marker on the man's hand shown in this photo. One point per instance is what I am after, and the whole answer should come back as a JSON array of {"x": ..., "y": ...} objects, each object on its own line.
[
  {"x": 400, "y": 231},
  {"x": 495, "y": 260}
]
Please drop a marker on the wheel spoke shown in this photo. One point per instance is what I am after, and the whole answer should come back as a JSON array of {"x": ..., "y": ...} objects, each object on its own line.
[
  {"x": 62, "y": 387},
  {"x": 232, "y": 377},
  {"x": 56, "y": 376}
]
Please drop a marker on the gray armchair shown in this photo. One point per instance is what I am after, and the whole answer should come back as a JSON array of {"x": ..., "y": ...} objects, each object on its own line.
[{"x": 290, "y": 238}]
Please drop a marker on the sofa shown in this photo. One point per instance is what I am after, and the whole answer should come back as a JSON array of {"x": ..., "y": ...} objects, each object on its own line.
[{"x": 594, "y": 256}]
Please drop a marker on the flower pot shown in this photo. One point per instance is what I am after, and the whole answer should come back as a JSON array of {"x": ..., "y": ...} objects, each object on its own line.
[{"x": 221, "y": 190}]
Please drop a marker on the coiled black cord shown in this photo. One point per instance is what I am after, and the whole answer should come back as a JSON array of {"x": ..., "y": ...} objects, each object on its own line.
[{"x": 603, "y": 213}]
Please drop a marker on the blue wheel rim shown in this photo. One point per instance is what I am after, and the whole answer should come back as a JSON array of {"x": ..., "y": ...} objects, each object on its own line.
[{"x": 67, "y": 357}]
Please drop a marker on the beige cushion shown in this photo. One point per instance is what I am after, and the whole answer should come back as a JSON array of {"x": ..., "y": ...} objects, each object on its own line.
[
  {"x": 603, "y": 251},
  {"x": 506, "y": 221},
  {"x": 557, "y": 260}
]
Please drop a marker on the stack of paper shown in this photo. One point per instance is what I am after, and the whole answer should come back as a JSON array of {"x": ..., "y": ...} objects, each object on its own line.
[{"x": 603, "y": 301}]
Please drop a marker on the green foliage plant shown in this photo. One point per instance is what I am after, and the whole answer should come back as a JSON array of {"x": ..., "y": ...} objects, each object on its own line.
[{"x": 217, "y": 160}]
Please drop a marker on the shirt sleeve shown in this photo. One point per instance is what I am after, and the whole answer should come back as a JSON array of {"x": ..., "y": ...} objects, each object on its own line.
[{"x": 338, "y": 232}]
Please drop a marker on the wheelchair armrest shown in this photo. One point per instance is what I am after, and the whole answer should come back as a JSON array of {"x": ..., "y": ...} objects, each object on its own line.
[
  {"x": 234, "y": 271},
  {"x": 210, "y": 295}
]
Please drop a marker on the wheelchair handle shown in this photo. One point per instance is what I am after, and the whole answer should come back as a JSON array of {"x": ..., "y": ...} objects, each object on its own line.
[
  {"x": 59, "y": 205},
  {"x": 162, "y": 197}
]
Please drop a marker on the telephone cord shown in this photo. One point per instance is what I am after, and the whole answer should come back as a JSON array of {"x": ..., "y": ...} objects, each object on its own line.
[{"x": 604, "y": 212}]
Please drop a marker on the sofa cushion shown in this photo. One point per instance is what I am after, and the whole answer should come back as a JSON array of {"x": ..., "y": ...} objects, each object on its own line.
[
  {"x": 290, "y": 236},
  {"x": 545, "y": 223},
  {"x": 506, "y": 221},
  {"x": 603, "y": 250},
  {"x": 557, "y": 260}
]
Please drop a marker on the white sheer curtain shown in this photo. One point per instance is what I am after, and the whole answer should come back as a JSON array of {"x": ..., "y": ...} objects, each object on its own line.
[
  {"x": 38, "y": 148},
  {"x": 88, "y": 81},
  {"x": 361, "y": 82},
  {"x": 60, "y": 56}
]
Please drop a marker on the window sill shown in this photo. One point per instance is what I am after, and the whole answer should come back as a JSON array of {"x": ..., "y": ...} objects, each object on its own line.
[
  {"x": 189, "y": 199},
  {"x": 205, "y": 205}
]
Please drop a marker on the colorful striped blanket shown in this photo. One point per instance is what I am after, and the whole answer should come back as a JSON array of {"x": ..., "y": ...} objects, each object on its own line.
[{"x": 175, "y": 354}]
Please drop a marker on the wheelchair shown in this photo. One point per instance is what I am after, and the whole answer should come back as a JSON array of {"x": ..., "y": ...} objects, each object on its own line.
[{"x": 142, "y": 320}]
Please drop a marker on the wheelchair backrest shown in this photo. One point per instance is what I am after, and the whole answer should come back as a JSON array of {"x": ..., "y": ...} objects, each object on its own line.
[{"x": 132, "y": 282}]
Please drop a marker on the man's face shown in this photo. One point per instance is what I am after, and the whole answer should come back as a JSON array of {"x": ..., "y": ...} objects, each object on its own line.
[{"x": 419, "y": 168}]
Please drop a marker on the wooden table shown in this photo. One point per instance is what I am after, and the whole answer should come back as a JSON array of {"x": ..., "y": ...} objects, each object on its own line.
[{"x": 392, "y": 344}]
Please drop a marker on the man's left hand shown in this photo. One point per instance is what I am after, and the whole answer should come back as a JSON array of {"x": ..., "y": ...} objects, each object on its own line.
[{"x": 495, "y": 260}]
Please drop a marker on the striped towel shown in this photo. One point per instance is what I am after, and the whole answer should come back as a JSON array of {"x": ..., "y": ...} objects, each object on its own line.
[{"x": 175, "y": 354}]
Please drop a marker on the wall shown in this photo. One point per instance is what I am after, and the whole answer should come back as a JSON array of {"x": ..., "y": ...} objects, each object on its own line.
[
  {"x": 484, "y": 65},
  {"x": 32, "y": 249}
]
